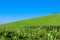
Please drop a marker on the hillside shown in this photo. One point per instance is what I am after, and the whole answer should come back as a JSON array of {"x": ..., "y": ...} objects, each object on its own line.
[
  {"x": 40, "y": 21},
  {"x": 32, "y": 29}
]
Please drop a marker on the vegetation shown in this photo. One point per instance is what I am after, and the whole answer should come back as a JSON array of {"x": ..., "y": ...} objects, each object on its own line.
[{"x": 41, "y": 28}]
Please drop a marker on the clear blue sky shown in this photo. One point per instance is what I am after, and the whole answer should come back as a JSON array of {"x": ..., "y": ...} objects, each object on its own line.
[{"x": 14, "y": 10}]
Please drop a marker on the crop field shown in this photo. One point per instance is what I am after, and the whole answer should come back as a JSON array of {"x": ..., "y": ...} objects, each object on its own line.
[
  {"x": 30, "y": 33},
  {"x": 41, "y": 28}
]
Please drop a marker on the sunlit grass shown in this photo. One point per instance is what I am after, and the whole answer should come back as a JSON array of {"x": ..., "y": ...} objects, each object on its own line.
[{"x": 41, "y": 28}]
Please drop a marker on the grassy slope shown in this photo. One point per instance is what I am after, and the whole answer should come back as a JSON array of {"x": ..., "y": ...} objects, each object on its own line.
[
  {"x": 38, "y": 33},
  {"x": 45, "y": 20}
]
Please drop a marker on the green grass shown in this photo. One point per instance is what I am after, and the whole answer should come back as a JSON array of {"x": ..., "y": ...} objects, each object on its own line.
[
  {"x": 40, "y": 21},
  {"x": 41, "y": 28}
]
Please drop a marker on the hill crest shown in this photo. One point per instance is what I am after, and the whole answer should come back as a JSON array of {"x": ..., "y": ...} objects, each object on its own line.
[{"x": 44, "y": 20}]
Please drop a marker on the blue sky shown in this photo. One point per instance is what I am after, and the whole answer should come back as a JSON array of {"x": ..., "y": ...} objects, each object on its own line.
[{"x": 14, "y": 10}]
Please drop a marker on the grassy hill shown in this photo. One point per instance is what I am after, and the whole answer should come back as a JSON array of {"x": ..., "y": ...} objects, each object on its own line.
[
  {"x": 40, "y": 21},
  {"x": 41, "y": 28}
]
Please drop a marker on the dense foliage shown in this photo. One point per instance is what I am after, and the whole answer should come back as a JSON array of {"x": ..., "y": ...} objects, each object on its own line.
[{"x": 30, "y": 33}]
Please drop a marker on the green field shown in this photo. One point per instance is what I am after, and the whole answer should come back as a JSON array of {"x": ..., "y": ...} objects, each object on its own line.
[{"x": 40, "y": 28}]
